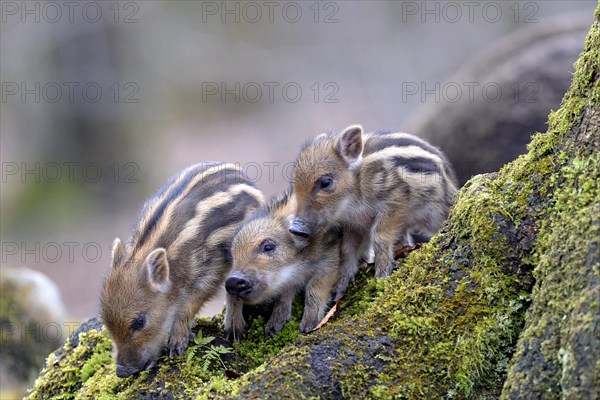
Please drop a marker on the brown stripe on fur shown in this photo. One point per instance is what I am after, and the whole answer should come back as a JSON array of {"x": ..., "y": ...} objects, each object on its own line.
[
  {"x": 211, "y": 179},
  {"x": 204, "y": 207}
]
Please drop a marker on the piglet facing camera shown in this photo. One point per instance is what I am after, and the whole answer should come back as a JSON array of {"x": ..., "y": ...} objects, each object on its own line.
[
  {"x": 269, "y": 264},
  {"x": 176, "y": 259}
]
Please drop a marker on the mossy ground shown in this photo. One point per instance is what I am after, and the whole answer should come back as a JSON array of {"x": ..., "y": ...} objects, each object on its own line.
[
  {"x": 85, "y": 369},
  {"x": 515, "y": 268}
]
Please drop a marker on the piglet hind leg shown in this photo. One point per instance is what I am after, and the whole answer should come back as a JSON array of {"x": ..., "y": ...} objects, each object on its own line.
[
  {"x": 234, "y": 323},
  {"x": 316, "y": 297},
  {"x": 383, "y": 242},
  {"x": 349, "y": 262},
  {"x": 282, "y": 313},
  {"x": 384, "y": 260}
]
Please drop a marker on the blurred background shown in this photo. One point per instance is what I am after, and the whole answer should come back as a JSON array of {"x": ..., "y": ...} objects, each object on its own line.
[{"x": 102, "y": 101}]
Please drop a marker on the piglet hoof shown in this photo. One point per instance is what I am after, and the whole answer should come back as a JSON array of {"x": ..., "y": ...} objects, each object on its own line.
[
  {"x": 307, "y": 327},
  {"x": 180, "y": 349},
  {"x": 384, "y": 272},
  {"x": 342, "y": 287},
  {"x": 273, "y": 329},
  {"x": 177, "y": 349},
  {"x": 150, "y": 365},
  {"x": 340, "y": 292},
  {"x": 177, "y": 346},
  {"x": 233, "y": 335}
]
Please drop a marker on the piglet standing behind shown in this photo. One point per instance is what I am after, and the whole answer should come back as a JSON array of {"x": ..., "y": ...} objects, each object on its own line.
[{"x": 381, "y": 189}]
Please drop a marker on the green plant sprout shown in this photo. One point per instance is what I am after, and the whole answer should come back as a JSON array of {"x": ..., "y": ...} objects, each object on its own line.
[{"x": 211, "y": 353}]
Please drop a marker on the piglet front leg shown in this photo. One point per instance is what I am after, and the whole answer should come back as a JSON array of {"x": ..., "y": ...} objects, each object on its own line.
[
  {"x": 179, "y": 338},
  {"x": 316, "y": 297},
  {"x": 282, "y": 313},
  {"x": 234, "y": 324}
]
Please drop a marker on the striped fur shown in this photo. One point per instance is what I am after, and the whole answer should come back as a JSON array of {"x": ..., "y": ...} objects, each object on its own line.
[
  {"x": 416, "y": 155},
  {"x": 176, "y": 258},
  {"x": 385, "y": 188},
  {"x": 279, "y": 274}
]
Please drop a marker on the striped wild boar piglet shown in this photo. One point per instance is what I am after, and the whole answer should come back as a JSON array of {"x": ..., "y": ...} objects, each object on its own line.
[
  {"x": 381, "y": 189},
  {"x": 271, "y": 264},
  {"x": 177, "y": 257}
]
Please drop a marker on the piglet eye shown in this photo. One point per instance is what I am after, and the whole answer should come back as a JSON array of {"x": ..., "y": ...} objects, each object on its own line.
[
  {"x": 325, "y": 182},
  {"x": 138, "y": 323},
  {"x": 267, "y": 246}
]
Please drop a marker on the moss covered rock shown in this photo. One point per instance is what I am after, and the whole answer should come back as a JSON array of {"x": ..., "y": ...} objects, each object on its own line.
[
  {"x": 84, "y": 367},
  {"x": 502, "y": 303},
  {"x": 558, "y": 353},
  {"x": 33, "y": 324}
]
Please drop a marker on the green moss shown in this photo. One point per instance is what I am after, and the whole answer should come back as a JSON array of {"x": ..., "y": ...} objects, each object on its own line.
[
  {"x": 555, "y": 346},
  {"x": 69, "y": 369},
  {"x": 355, "y": 302},
  {"x": 93, "y": 365},
  {"x": 560, "y": 340},
  {"x": 87, "y": 370},
  {"x": 458, "y": 310},
  {"x": 256, "y": 348}
]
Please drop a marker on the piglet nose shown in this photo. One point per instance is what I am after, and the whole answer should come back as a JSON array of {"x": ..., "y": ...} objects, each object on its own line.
[
  {"x": 298, "y": 228},
  {"x": 236, "y": 285},
  {"x": 123, "y": 371}
]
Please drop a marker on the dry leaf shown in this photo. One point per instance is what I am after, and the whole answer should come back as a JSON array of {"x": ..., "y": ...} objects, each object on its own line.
[
  {"x": 401, "y": 252},
  {"x": 327, "y": 317}
]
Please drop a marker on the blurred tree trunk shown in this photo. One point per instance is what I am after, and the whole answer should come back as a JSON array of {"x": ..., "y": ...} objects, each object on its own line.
[{"x": 534, "y": 66}]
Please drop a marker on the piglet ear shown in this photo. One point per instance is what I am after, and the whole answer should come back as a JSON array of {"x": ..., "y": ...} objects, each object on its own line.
[
  {"x": 118, "y": 253},
  {"x": 158, "y": 270},
  {"x": 350, "y": 143}
]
